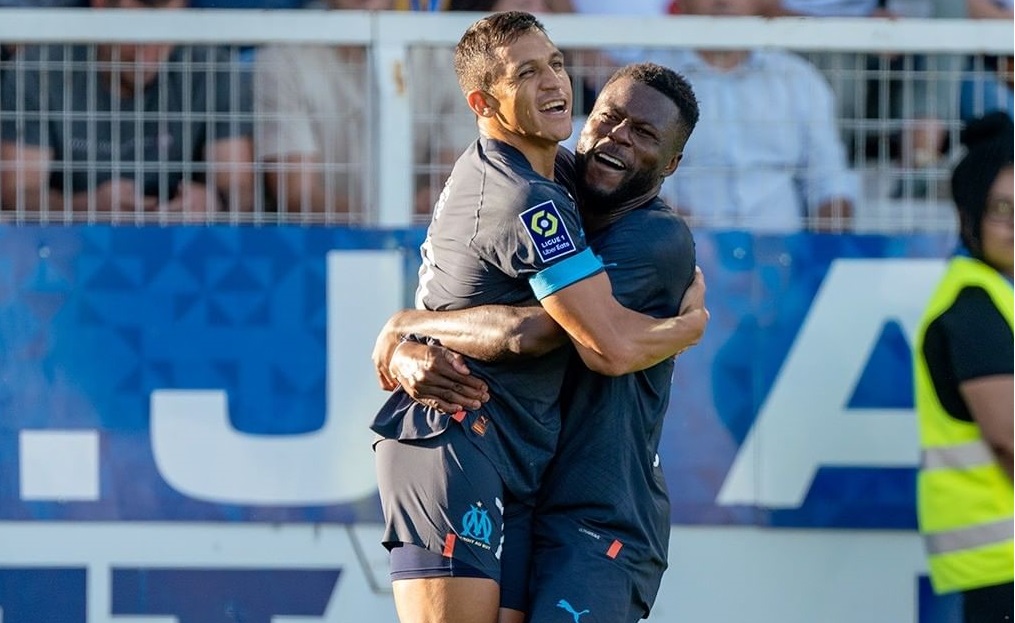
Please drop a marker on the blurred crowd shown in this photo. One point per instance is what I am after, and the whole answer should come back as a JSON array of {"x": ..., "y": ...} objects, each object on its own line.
[{"x": 111, "y": 132}]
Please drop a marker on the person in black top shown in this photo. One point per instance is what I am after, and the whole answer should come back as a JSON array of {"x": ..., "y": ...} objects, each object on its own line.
[
  {"x": 963, "y": 364},
  {"x": 603, "y": 510}
]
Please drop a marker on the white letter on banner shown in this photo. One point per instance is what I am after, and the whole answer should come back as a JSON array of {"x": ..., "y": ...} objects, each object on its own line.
[
  {"x": 804, "y": 422},
  {"x": 201, "y": 455}
]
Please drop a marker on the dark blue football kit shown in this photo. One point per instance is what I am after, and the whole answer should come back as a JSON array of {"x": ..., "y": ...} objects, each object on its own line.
[
  {"x": 603, "y": 508},
  {"x": 500, "y": 234}
]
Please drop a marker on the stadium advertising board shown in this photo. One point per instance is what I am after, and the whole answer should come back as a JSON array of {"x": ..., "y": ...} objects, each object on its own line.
[{"x": 183, "y": 433}]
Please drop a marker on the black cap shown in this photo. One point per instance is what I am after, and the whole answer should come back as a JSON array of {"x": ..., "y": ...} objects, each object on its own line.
[{"x": 989, "y": 147}]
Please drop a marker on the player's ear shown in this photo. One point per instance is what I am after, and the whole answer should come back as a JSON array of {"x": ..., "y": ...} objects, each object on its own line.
[
  {"x": 671, "y": 166},
  {"x": 482, "y": 103}
]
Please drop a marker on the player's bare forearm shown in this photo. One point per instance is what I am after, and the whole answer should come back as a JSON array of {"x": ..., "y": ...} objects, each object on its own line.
[
  {"x": 486, "y": 333},
  {"x": 650, "y": 343},
  {"x": 489, "y": 333},
  {"x": 614, "y": 340}
]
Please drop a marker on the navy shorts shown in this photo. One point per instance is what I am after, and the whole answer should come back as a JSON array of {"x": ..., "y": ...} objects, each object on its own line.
[
  {"x": 583, "y": 571},
  {"x": 444, "y": 496}
]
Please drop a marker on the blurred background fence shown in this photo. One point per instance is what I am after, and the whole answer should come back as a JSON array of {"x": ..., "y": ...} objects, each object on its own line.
[{"x": 349, "y": 117}]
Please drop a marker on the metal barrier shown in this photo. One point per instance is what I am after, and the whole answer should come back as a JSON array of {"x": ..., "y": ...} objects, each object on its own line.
[{"x": 346, "y": 117}]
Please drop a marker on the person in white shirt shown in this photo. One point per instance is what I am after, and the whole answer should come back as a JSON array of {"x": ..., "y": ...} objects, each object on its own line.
[{"x": 766, "y": 154}]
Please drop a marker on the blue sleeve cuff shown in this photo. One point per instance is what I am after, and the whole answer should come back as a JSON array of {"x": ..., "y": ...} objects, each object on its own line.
[{"x": 564, "y": 273}]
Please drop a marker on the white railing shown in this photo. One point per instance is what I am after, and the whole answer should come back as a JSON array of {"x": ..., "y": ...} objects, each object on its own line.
[{"x": 890, "y": 200}]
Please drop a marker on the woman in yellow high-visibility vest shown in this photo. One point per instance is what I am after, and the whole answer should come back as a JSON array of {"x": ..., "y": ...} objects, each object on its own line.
[{"x": 963, "y": 361}]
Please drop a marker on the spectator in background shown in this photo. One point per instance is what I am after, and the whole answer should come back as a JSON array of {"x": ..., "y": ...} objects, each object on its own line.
[
  {"x": 911, "y": 94},
  {"x": 42, "y": 4},
  {"x": 964, "y": 391},
  {"x": 493, "y": 6},
  {"x": 421, "y": 5},
  {"x": 987, "y": 82},
  {"x": 6, "y": 55},
  {"x": 592, "y": 67},
  {"x": 766, "y": 154},
  {"x": 121, "y": 130},
  {"x": 313, "y": 108},
  {"x": 245, "y": 53},
  {"x": 247, "y": 4},
  {"x": 7, "y": 51}
]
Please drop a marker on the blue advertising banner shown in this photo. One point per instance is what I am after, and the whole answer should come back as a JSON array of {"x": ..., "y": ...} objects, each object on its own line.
[
  {"x": 223, "y": 374},
  {"x": 796, "y": 407}
]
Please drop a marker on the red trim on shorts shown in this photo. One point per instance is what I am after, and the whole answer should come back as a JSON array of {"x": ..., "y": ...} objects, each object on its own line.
[
  {"x": 458, "y": 417},
  {"x": 614, "y": 548},
  {"x": 449, "y": 545}
]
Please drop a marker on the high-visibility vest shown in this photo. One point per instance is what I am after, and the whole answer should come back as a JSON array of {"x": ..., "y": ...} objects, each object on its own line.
[{"x": 964, "y": 498}]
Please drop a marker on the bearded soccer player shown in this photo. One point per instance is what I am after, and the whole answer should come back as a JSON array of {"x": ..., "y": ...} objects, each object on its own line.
[
  {"x": 456, "y": 489},
  {"x": 603, "y": 509}
]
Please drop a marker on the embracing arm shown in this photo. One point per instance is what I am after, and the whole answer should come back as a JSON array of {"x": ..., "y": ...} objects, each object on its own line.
[
  {"x": 487, "y": 333},
  {"x": 440, "y": 378},
  {"x": 614, "y": 340}
]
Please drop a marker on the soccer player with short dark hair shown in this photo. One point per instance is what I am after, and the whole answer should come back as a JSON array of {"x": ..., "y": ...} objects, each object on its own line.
[
  {"x": 454, "y": 486},
  {"x": 603, "y": 509}
]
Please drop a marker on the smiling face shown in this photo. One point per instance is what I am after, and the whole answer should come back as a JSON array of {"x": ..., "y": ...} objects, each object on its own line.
[
  {"x": 530, "y": 97},
  {"x": 628, "y": 145},
  {"x": 996, "y": 229}
]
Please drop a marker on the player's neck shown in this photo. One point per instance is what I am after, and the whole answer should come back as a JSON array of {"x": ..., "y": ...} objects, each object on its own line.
[
  {"x": 540, "y": 153},
  {"x": 601, "y": 212}
]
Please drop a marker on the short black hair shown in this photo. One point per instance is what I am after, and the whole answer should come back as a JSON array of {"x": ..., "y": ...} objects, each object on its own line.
[
  {"x": 672, "y": 85},
  {"x": 475, "y": 64}
]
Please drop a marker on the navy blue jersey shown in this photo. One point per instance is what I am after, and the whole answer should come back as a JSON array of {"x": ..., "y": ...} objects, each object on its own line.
[
  {"x": 499, "y": 231},
  {"x": 605, "y": 481}
]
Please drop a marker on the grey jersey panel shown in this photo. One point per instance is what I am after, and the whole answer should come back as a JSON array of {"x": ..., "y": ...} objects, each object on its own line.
[
  {"x": 605, "y": 472},
  {"x": 480, "y": 250}
]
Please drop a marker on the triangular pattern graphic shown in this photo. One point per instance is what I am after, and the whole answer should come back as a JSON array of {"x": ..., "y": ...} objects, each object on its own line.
[{"x": 887, "y": 379}]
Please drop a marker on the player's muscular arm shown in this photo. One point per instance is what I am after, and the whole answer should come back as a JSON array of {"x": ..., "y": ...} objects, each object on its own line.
[
  {"x": 487, "y": 333},
  {"x": 614, "y": 340}
]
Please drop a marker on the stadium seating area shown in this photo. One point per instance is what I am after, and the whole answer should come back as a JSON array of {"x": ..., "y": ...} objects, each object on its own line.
[{"x": 300, "y": 130}]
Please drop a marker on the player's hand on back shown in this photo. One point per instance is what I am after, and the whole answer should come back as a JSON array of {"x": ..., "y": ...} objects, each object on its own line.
[{"x": 436, "y": 377}]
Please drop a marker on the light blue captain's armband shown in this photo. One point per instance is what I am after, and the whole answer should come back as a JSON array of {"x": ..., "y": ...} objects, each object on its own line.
[{"x": 564, "y": 273}]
